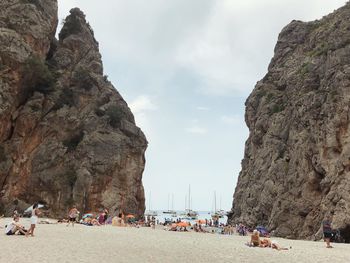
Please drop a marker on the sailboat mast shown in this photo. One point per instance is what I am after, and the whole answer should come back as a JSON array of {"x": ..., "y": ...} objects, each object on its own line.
[
  {"x": 168, "y": 201},
  {"x": 172, "y": 202},
  {"x": 220, "y": 203},
  {"x": 215, "y": 200},
  {"x": 189, "y": 197},
  {"x": 149, "y": 201}
]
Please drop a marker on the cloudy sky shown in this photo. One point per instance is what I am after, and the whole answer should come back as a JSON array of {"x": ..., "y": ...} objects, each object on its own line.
[{"x": 186, "y": 67}]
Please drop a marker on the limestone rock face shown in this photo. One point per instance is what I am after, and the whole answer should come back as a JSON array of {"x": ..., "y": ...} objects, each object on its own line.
[
  {"x": 66, "y": 135},
  {"x": 296, "y": 167}
]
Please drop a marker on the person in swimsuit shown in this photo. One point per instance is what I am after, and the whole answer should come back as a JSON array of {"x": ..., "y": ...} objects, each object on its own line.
[
  {"x": 33, "y": 219},
  {"x": 255, "y": 239},
  {"x": 265, "y": 243},
  {"x": 72, "y": 215}
]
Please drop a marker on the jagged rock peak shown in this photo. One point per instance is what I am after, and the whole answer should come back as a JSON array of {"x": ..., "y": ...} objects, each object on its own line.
[
  {"x": 75, "y": 24},
  {"x": 66, "y": 135},
  {"x": 296, "y": 166}
]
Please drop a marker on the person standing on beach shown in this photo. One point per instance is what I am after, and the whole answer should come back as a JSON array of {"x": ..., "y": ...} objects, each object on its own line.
[
  {"x": 33, "y": 219},
  {"x": 72, "y": 215},
  {"x": 327, "y": 231},
  {"x": 106, "y": 215}
]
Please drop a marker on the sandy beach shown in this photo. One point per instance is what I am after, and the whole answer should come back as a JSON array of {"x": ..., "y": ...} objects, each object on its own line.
[{"x": 58, "y": 243}]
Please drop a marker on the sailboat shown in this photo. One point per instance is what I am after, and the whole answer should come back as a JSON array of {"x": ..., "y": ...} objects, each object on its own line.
[
  {"x": 189, "y": 213},
  {"x": 183, "y": 215},
  {"x": 216, "y": 214},
  {"x": 221, "y": 211},
  {"x": 172, "y": 211},
  {"x": 150, "y": 212}
]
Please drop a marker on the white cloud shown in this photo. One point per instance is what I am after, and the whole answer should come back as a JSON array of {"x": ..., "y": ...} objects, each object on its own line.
[
  {"x": 196, "y": 130},
  {"x": 140, "y": 107},
  {"x": 225, "y": 44},
  {"x": 232, "y": 50},
  {"x": 141, "y": 104}
]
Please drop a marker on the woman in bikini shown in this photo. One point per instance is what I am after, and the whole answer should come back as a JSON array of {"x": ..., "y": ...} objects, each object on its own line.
[{"x": 255, "y": 239}]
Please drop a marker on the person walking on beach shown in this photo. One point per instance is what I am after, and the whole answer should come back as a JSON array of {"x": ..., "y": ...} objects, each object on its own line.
[
  {"x": 327, "y": 231},
  {"x": 33, "y": 220},
  {"x": 72, "y": 215}
]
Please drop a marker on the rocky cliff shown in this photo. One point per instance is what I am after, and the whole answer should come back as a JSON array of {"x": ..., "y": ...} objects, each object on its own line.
[
  {"x": 66, "y": 135},
  {"x": 296, "y": 166}
]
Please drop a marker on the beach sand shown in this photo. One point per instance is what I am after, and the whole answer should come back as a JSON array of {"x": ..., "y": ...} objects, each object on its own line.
[{"x": 58, "y": 243}]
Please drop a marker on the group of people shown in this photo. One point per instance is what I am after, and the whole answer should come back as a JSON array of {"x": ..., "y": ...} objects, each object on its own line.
[
  {"x": 177, "y": 228},
  {"x": 256, "y": 241},
  {"x": 228, "y": 230},
  {"x": 100, "y": 219},
  {"x": 199, "y": 228},
  {"x": 103, "y": 218},
  {"x": 242, "y": 230},
  {"x": 15, "y": 227}
]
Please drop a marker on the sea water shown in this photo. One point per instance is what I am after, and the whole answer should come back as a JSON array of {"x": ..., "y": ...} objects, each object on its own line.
[{"x": 202, "y": 215}]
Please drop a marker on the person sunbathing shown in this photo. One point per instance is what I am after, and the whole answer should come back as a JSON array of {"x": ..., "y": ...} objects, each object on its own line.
[
  {"x": 275, "y": 245},
  {"x": 255, "y": 239},
  {"x": 95, "y": 222},
  {"x": 265, "y": 243},
  {"x": 173, "y": 228},
  {"x": 86, "y": 221}
]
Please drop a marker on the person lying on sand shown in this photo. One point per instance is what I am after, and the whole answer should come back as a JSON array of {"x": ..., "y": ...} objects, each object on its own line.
[
  {"x": 14, "y": 227},
  {"x": 47, "y": 222},
  {"x": 173, "y": 228},
  {"x": 272, "y": 244},
  {"x": 265, "y": 243},
  {"x": 95, "y": 222},
  {"x": 275, "y": 245},
  {"x": 91, "y": 222}
]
